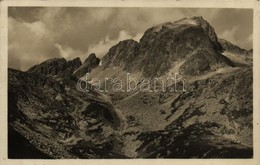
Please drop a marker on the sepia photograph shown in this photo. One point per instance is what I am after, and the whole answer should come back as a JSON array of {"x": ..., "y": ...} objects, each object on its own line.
[{"x": 115, "y": 82}]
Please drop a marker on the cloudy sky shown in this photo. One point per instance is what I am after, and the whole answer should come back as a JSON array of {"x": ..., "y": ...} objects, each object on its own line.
[{"x": 38, "y": 34}]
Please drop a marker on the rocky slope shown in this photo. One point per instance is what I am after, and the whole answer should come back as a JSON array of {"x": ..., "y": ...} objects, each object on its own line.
[
  {"x": 57, "y": 118},
  {"x": 214, "y": 116},
  {"x": 211, "y": 118}
]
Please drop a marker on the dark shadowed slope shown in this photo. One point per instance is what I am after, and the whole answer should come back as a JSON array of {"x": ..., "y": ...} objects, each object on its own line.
[{"x": 20, "y": 148}]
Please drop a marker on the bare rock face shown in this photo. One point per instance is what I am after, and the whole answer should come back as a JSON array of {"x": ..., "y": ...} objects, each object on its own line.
[{"x": 90, "y": 63}]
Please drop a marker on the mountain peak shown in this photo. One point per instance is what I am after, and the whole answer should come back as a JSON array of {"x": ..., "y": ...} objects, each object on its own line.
[
  {"x": 196, "y": 21},
  {"x": 184, "y": 24},
  {"x": 90, "y": 57},
  {"x": 162, "y": 45},
  {"x": 90, "y": 63}
]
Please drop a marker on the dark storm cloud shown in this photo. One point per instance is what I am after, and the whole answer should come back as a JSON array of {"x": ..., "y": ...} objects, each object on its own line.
[{"x": 36, "y": 34}]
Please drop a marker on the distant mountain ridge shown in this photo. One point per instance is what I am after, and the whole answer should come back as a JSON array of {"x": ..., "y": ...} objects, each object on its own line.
[{"x": 228, "y": 46}]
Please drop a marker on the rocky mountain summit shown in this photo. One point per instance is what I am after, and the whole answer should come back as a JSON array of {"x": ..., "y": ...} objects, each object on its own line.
[
  {"x": 162, "y": 45},
  {"x": 211, "y": 118}
]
